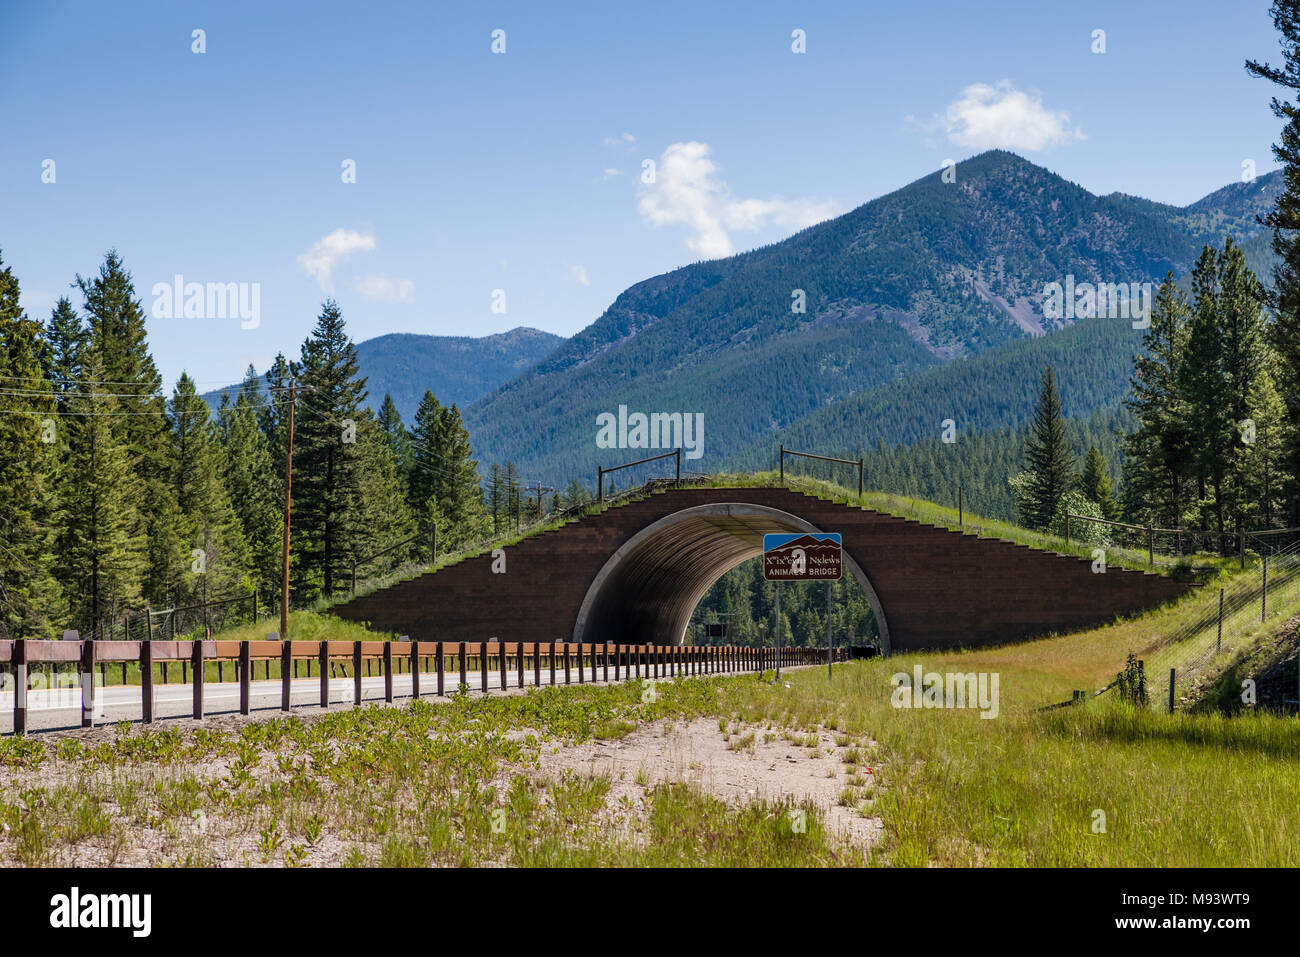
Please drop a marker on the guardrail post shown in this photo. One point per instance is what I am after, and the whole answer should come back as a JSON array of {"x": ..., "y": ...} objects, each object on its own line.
[
  {"x": 388, "y": 672},
  {"x": 552, "y": 661},
  {"x": 567, "y": 679},
  {"x": 501, "y": 647},
  {"x": 415, "y": 669},
  {"x": 582, "y": 665},
  {"x": 440, "y": 663},
  {"x": 356, "y": 674},
  {"x": 483, "y": 666},
  {"x": 286, "y": 674},
  {"x": 146, "y": 681},
  {"x": 464, "y": 665},
  {"x": 324, "y": 653},
  {"x": 196, "y": 664},
  {"x": 88, "y": 682},
  {"x": 18, "y": 660},
  {"x": 245, "y": 687},
  {"x": 537, "y": 665},
  {"x": 606, "y": 656},
  {"x": 519, "y": 662}
]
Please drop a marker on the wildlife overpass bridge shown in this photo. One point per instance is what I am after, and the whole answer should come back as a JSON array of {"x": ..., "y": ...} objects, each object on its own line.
[{"x": 634, "y": 573}]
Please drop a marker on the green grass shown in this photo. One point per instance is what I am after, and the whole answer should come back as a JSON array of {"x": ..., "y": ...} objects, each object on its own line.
[{"x": 468, "y": 782}]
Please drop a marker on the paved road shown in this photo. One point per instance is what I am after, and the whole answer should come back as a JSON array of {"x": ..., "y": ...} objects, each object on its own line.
[{"x": 52, "y": 709}]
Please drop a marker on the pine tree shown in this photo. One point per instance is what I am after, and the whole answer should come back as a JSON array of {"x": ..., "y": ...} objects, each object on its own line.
[
  {"x": 427, "y": 453},
  {"x": 496, "y": 498},
  {"x": 1157, "y": 454},
  {"x": 116, "y": 331},
  {"x": 1284, "y": 220},
  {"x": 380, "y": 517},
  {"x": 211, "y": 537},
  {"x": 1049, "y": 461},
  {"x": 67, "y": 335},
  {"x": 459, "y": 490},
  {"x": 29, "y": 595},
  {"x": 252, "y": 483},
  {"x": 327, "y": 463},
  {"x": 399, "y": 439},
  {"x": 99, "y": 544},
  {"x": 1094, "y": 482}
]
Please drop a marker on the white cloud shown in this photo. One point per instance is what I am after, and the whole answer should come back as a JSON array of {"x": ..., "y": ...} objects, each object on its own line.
[
  {"x": 627, "y": 141},
  {"x": 580, "y": 274},
  {"x": 686, "y": 191},
  {"x": 329, "y": 251},
  {"x": 610, "y": 172},
  {"x": 385, "y": 288},
  {"x": 1002, "y": 117}
]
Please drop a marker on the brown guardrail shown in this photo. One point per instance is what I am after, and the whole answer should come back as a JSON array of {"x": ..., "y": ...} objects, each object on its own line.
[{"x": 420, "y": 658}]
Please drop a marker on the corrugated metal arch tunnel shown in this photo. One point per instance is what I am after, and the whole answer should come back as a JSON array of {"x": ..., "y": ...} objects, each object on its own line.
[{"x": 648, "y": 589}]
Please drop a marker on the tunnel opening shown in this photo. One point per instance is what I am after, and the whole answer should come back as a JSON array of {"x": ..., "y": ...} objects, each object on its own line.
[{"x": 649, "y": 588}]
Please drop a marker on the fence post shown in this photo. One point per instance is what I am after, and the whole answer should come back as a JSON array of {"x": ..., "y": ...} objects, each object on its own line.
[
  {"x": 19, "y": 662},
  {"x": 356, "y": 674},
  {"x": 1171, "y": 690},
  {"x": 537, "y": 664},
  {"x": 1151, "y": 547},
  {"x": 567, "y": 677},
  {"x": 388, "y": 672},
  {"x": 501, "y": 651},
  {"x": 582, "y": 667},
  {"x": 440, "y": 663},
  {"x": 1263, "y": 592},
  {"x": 196, "y": 661},
  {"x": 519, "y": 662},
  {"x": 245, "y": 661},
  {"x": 415, "y": 668},
  {"x": 464, "y": 674},
  {"x": 483, "y": 666},
  {"x": 783, "y": 465},
  {"x": 324, "y": 652},
  {"x": 146, "y": 681},
  {"x": 88, "y": 682},
  {"x": 606, "y": 656},
  {"x": 552, "y": 660},
  {"x": 1067, "y": 528},
  {"x": 1218, "y": 644},
  {"x": 286, "y": 674}
]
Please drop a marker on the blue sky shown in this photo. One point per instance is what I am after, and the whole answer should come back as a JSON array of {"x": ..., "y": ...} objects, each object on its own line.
[{"x": 521, "y": 171}]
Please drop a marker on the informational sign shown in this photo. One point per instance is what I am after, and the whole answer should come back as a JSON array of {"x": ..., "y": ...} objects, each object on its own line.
[{"x": 802, "y": 556}]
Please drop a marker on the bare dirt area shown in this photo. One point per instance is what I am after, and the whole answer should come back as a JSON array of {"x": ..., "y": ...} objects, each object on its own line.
[{"x": 736, "y": 766}]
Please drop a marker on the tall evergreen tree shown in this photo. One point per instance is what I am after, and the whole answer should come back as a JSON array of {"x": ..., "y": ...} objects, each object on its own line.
[
  {"x": 252, "y": 483},
  {"x": 116, "y": 328},
  {"x": 211, "y": 537},
  {"x": 1158, "y": 452},
  {"x": 327, "y": 463},
  {"x": 1285, "y": 222},
  {"x": 66, "y": 334},
  {"x": 29, "y": 594},
  {"x": 426, "y": 453},
  {"x": 1048, "y": 458},
  {"x": 101, "y": 554}
]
